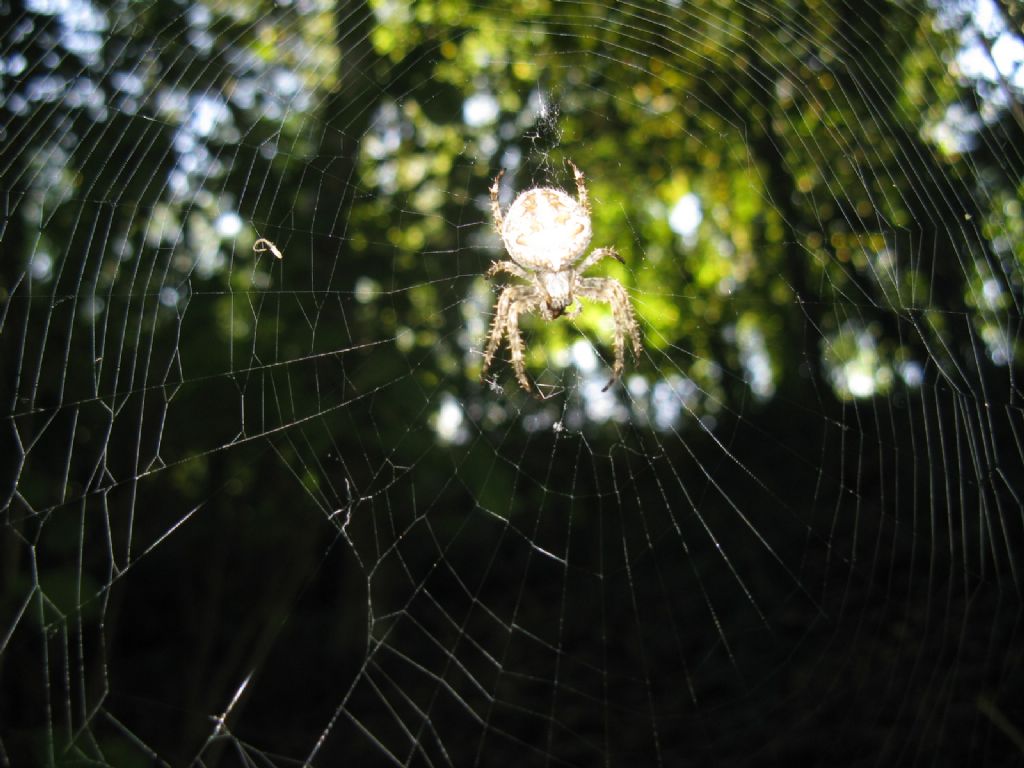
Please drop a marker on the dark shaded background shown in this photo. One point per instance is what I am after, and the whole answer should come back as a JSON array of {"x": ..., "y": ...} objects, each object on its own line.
[{"x": 235, "y": 530}]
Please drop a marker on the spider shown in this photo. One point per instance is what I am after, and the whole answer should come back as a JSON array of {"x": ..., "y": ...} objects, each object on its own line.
[{"x": 545, "y": 232}]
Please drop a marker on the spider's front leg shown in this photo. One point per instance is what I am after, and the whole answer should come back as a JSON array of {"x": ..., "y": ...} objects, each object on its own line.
[
  {"x": 515, "y": 342},
  {"x": 573, "y": 311},
  {"x": 497, "y": 329},
  {"x": 514, "y": 300},
  {"x": 611, "y": 292}
]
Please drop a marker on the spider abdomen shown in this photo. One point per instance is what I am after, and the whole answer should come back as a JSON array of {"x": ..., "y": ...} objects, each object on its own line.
[{"x": 546, "y": 230}]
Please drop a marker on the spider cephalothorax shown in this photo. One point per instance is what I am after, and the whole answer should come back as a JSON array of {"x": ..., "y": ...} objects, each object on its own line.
[{"x": 546, "y": 232}]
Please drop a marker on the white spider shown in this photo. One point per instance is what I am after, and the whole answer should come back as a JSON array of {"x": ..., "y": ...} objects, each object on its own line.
[{"x": 545, "y": 232}]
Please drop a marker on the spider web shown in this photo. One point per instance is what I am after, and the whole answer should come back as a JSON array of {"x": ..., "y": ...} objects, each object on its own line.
[{"x": 259, "y": 510}]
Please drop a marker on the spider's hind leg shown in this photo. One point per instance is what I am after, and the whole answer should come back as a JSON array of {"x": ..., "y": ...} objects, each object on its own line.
[
  {"x": 596, "y": 256},
  {"x": 581, "y": 187},
  {"x": 499, "y": 219}
]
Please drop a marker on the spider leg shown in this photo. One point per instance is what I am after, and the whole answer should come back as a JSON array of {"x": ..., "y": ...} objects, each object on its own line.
[
  {"x": 507, "y": 266},
  {"x": 596, "y": 256},
  {"x": 514, "y": 300},
  {"x": 515, "y": 342},
  {"x": 499, "y": 219},
  {"x": 611, "y": 292},
  {"x": 497, "y": 328},
  {"x": 581, "y": 187}
]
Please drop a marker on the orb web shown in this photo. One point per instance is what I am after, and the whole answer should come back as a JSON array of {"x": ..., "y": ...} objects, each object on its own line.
[{"x": 258, "y": 509}]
